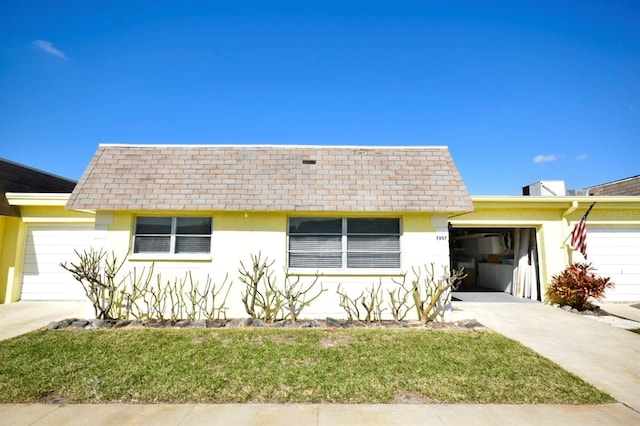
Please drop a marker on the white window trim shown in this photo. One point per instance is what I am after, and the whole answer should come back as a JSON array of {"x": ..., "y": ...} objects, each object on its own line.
[
  {"x": 355, "y": 272},
  {"x": 344, "y": 270},
  {"x": 180, "y": 257},
  {"x": 171, "y": 255}
]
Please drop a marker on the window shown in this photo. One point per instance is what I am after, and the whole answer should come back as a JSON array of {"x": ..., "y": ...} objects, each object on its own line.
[
  {"x": 344, "y": 243},
  {"x": 172, "y": 235}
]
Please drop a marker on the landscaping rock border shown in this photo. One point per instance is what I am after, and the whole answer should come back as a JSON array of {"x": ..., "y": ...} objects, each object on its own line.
[
  {"x": 595, "y": 311},
  {"x": 95, "y": 324}
]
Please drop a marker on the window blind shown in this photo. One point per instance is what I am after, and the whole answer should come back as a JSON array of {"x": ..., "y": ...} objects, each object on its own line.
[
  {"x": 172, "y": 234},
  {"x": 344, "y": 243}
]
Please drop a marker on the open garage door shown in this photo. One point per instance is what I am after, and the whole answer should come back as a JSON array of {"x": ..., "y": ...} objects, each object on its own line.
[
  {"x": 615, "y": 252},
  {"x": 45, "y": 248},
  {"x": 501, "y": 263}
]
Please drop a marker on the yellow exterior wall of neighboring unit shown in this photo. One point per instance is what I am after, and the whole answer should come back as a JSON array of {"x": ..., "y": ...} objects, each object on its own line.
[
  {"x": 34, "y": 209},
  {"x": 7, "y": 253},
  {"x": 553, "y": 218},
  {"x": 53, "y": 214},
  {"x": 11, "y": 252},
  {"x": 3, "y": 220}
]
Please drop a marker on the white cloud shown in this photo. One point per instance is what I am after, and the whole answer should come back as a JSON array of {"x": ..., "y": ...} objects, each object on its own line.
[
  {"x": 545, "y": 158},
  {"x": 581, "y": 157},
  {"x": 47, "y": 46}
]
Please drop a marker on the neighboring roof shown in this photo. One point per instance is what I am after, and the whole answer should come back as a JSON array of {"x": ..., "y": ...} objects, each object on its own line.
[
  {"x": 627, "y": 186},
  {"x": 16, "y": 177},
  {"x": 20, "y": 178},
  {"x": 5, "y": 208},
  {"x": 271, "y": 178}
]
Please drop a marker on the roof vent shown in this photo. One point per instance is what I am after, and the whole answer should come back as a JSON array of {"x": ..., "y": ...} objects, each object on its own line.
[{"x": 308, "y": 161}]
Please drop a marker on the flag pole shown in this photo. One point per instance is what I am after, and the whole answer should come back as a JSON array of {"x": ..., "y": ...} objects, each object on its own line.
[
  {"x": 588, "y": 210},
  {"x": 579, "y": 234},
  {"x": 584, "y": 216}
]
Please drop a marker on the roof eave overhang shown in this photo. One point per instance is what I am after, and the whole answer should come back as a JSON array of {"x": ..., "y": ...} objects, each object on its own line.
[
  {"x": 37, "y": 199},
  {"x": 302, "y": 211},
  {"x": 552, "y": 202}
]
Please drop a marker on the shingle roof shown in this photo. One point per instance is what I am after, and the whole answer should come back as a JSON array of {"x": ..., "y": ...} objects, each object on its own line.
[
  {"x": 271, "y": 178},
  {"x": 16, "y": 177},
  {"x": 627, "y": 186}
]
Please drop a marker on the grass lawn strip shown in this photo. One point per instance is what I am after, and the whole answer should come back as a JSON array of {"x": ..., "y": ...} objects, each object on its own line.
[{"x": 278, "y": 366}]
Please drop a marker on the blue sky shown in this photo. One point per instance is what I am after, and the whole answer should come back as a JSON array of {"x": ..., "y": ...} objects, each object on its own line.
[{"x": 520, "y": 91}]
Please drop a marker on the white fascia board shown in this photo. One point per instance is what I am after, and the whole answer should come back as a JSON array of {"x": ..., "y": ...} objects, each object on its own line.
[
  {"x": 37, "y": 199},
  {"x": 303, "y": 146}
]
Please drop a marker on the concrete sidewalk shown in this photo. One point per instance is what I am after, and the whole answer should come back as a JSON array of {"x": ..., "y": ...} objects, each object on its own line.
[
  {"x": 622, "y": 310},
  {"x": 317, "y": 415}
]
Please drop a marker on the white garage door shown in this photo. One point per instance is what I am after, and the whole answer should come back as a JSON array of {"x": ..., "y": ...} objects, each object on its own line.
[
  {"x": 615, "y": 252},
  {"x": 45, "y": 248}
]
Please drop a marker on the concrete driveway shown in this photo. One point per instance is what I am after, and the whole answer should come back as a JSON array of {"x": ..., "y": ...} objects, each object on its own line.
[
  {"x": 607, "y": 357},
  {"x": 21, "y": 317}
]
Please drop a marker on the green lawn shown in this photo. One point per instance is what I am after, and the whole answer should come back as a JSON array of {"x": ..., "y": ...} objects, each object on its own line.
[{"x": 276, "y": 365}]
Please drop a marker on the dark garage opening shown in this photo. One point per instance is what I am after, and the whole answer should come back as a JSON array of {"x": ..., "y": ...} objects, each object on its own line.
[{"x": 501, "y": 263}]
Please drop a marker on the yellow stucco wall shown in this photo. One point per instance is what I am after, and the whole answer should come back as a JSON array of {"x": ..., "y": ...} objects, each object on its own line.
[
  {"x": 553, "y": 218},
  {"x": 54, "y": 214},
  {"x": 237, "y": 235},
  {"x": 34, "y": 209},
  {"x": 11, "y": 259}
]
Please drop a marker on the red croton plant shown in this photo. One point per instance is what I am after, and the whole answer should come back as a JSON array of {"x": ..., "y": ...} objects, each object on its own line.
[{"x": 576, "y": 285}]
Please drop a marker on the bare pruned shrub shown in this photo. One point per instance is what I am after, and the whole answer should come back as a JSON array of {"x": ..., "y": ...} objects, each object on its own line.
[
  {"x": 350, "y": 304},
  {"x": 139, "y": 283},
  {"x": 426, "y": 295},
  {"x": 368, "y": 304},
  {"x": 182, "y": 298},
  {"x": 264, "y": 299},
  {"x": 260, "y": 297},
  {"x": 96, "y": 271},
  {"x": 401, "y": 299},
  {"x": 430, "y": 291},
  {"x": 371, "y": 301},
  {"x": 205, "y": 302},
  {"x": 297, "y": 294},
  {"x": 120, "y": 296}
]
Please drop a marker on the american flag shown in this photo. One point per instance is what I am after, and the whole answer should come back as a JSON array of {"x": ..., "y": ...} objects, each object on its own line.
[{"x": 579, "y": 234}]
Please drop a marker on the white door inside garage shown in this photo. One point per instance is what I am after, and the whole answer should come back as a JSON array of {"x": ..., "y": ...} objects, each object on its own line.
[
  {"x": 615, "y": 252},
  {"x": 45, "y": 248}
]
